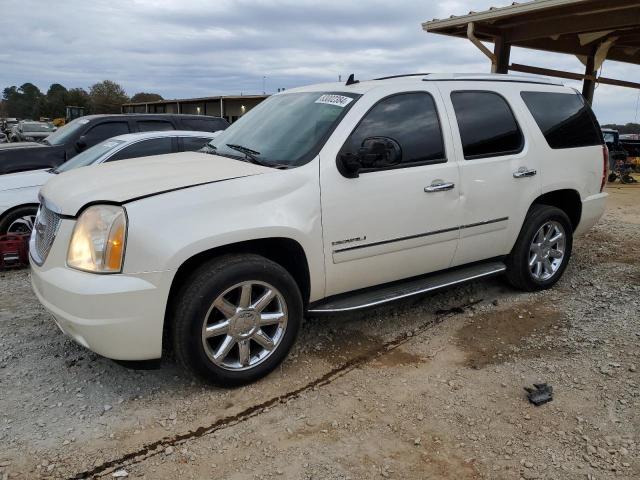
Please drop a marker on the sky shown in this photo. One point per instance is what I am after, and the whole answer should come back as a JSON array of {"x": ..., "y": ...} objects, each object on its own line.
[{"x": 195, "y": 48}]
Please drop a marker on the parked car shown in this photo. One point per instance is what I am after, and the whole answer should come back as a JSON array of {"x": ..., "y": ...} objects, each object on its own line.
[
  {"x": 84, "y": 132},
  {"x": 322, "y": 199},
  {"x": 19, "y": 191},
  {"x": 30, "y": 131}
]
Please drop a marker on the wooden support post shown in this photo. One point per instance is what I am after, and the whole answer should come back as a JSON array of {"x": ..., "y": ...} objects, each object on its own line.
[
  {"x": 502, "y": 53},
  {"x": 589, "y": 83}
]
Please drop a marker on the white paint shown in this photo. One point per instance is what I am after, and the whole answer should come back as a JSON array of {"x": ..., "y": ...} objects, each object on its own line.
[{"x": 121, "y": 316}]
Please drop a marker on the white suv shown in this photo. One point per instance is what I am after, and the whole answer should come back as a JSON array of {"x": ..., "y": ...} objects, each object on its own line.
[{"x": 322, "y": 199}]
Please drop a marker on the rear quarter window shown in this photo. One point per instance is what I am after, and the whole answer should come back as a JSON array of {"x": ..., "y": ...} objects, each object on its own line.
[{"x": 565, "y": 120}]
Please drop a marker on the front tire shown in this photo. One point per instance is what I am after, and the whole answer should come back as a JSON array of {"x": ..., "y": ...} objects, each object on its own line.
[
  {"x": 542, "y": 251},
  {"x": 236, "y": 319},
  {"x": 19, "y": 221}
]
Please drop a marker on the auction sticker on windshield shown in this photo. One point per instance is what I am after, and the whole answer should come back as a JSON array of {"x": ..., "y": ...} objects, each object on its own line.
[{"x": 338, "y": 100}]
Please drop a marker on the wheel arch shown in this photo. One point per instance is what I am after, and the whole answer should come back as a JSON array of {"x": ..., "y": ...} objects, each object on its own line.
[
  {"x": 8, "y": 212},
  {"x": 286, "y": 252},
  {"x": 567, "y": 200}
]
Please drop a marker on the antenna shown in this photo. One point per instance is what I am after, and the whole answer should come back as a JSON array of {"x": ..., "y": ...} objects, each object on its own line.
[{"x": 351, "y": 80}]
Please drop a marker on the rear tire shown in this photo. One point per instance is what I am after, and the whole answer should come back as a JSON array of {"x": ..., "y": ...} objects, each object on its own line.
[
  {"x": 542, "y": 251},
  {"x": 235, "y": 319}
]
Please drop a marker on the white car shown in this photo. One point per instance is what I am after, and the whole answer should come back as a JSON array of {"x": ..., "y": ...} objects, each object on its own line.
[
  {"x": 322, "y": 199},
  {"x": 19, "y": 191}
]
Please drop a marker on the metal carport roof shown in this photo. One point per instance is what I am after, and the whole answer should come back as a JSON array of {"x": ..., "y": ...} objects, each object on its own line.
[{"x": 593, "y": 30}]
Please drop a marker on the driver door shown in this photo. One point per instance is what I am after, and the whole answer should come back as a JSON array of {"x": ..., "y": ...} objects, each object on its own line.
[{"x": 394, "y": 221}]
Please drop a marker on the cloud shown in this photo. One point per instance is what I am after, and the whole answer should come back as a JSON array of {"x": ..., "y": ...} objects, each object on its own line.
[{"x": 196, "y": 48}]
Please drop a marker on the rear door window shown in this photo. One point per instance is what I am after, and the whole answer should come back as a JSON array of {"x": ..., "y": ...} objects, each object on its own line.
[
  {"x": 487, "y": 125},
  {"x": 106, "y": 130},
  {"x": 154, "y": 125},
  {"x": 145, "y": 148},
  {"x": 566, "y": 121}
]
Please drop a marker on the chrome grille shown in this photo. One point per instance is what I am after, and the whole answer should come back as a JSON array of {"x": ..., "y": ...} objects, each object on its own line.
[{"x": 44, "y": 232}]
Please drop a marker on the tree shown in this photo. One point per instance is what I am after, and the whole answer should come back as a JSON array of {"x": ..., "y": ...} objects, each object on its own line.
[
  {"x": 146, "y": 97},
  {"x": 107, "y": 97},
  {"x": 78, "y": 97},
  {"x": 24, "y": 101},
  {"x": 55, "y": 101}
]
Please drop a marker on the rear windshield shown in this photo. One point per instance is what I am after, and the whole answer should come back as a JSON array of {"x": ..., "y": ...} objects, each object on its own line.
[
  {"x": 63, "y": 134},
  {"x": 565, "y": 120},
  {"x": 90, "y": 155},
  {"x": 37, "y": 127}
]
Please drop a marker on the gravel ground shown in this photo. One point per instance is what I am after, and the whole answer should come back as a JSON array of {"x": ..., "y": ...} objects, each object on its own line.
[{"x": 426, "y": 389}]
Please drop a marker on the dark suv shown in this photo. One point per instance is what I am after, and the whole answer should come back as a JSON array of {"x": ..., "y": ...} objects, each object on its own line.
[{"x": 84, "y": 132}]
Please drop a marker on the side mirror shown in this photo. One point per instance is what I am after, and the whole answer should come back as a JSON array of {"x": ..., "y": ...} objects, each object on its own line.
[
  {"x": 375, "y": 152},
  {"x": 81, "y": 143}
]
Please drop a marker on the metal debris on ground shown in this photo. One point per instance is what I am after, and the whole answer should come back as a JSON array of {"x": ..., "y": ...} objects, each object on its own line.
[{"x": 541, "y": 394}]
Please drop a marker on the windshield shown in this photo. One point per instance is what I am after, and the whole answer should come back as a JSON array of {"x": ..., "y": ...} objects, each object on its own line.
[
  {"x": 285, "y": 129},
  {"x": 89, "y": 156},
  {"x": 61, "y": 135},
  {"x": 609, "y": 137},
  {"x": 37, "y": 127}
]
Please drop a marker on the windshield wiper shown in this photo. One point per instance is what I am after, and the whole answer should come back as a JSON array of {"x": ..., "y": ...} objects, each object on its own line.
[{"x": 252, "y": 156}]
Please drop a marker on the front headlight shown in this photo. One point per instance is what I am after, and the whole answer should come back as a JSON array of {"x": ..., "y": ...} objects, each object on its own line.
[{"x": 98, "y": 240}]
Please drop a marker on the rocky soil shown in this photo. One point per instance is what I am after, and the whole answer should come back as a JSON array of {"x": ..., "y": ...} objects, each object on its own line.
[{"x": 431, "y": 388}]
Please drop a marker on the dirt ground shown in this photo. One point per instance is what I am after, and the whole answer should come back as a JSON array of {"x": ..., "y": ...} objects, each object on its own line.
[{"x": 431, "y": 388}]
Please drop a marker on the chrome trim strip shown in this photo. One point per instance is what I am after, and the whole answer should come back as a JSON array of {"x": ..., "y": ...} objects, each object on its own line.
[
  {"x": 487, "y": 222},
  {"x": 410, "y": 294},
  {"x": 384, "y": 242},
  {"x": 419, "y": 235}
]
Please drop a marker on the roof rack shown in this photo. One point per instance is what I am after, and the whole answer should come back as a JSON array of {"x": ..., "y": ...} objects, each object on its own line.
[
  {"x": 490, "y": 77},
  {"x": 402, "y": 75}
]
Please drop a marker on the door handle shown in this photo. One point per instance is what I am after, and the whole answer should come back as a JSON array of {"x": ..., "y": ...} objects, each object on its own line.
[
  {"x": 439, "y": 187},
  {"x": 523, "y": 172}
]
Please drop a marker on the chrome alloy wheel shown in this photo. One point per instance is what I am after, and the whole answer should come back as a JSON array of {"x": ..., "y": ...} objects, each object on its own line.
[
  {"x": 22, "y": 225},
  {"x": 547, "y": 249},
  {"x": 244, "y": 325}
]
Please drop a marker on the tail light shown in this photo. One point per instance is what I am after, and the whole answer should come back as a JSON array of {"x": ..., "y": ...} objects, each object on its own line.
[{"x": 605, "y": 166}]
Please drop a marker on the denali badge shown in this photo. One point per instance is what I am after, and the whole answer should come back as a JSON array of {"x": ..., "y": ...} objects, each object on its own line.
[{"x": 349, "y": 240}]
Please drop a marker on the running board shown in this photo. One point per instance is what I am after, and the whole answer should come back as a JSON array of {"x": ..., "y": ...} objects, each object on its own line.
[{"x": 380, "y": 295}]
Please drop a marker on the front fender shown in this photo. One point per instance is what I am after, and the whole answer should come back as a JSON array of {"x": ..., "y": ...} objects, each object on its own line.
[{"x": 166, "y": 230}]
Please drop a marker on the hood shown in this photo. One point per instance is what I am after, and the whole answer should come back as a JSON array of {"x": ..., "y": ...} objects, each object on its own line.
[
  {"x": 32, "y": 178},
  {"x": 127, "y": 180}
]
